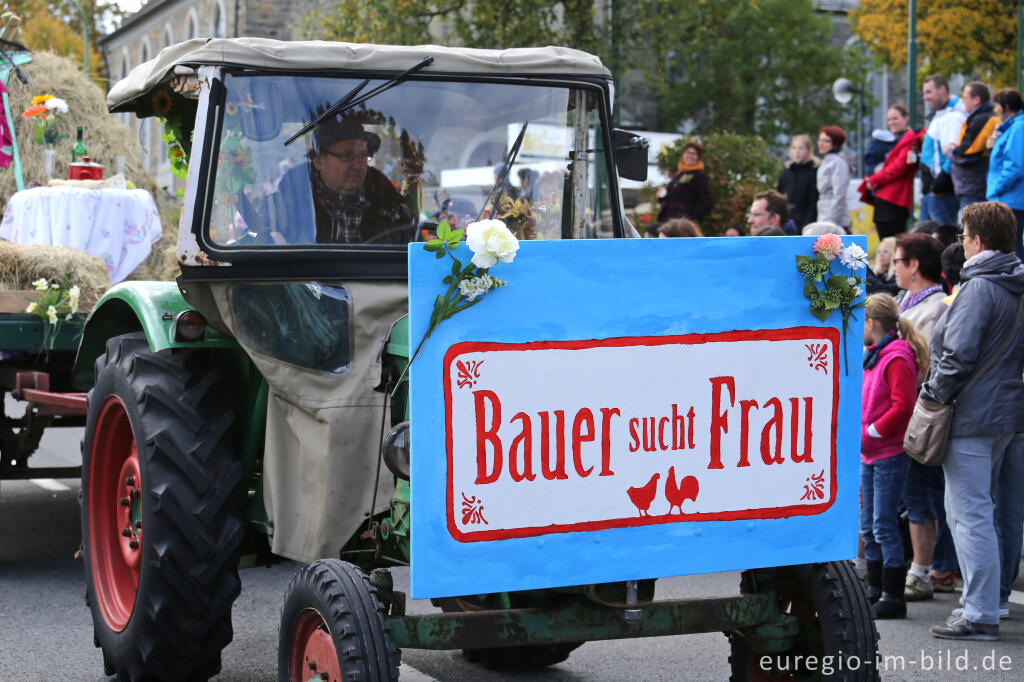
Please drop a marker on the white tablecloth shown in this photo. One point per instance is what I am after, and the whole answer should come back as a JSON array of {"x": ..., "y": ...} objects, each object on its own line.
[{"x": 118, "y": 226}]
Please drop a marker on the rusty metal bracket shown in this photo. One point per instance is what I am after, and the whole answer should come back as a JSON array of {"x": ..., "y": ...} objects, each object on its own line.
[{"x": 580, "y": 622}]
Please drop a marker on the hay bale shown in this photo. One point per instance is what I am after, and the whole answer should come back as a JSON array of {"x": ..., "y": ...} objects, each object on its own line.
[
  {"x": 105, "y": 136},
  {"x": 22, "y": 264}
]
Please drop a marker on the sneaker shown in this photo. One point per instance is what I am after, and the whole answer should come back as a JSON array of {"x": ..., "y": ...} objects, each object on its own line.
[
  {"x": 959, "y": 628},
  {"x": 946, "y": 584},
  {"x": 917, "y": 588},
  {"x": 1004, "y": 612}
]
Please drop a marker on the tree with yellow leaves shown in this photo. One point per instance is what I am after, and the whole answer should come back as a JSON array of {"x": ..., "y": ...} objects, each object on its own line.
[{"x": 976, "y": 38}]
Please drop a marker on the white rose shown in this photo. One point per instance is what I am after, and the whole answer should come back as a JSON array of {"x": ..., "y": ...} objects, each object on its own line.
[
  {"x": 490, "y": 241},
  {"x": 58, "y": 104}
]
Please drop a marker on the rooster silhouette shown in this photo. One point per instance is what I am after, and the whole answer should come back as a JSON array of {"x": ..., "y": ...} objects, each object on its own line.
[
  {"x": 642, "y": 497},
  {"x": 686, "y": 490}
]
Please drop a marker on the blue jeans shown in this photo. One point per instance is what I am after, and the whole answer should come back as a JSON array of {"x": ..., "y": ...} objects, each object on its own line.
[
  {"x": 923, "y": 497},
  {"x": 1008, "y": 489},
  {"x": 881, "y": 486},
  {"x": 965, "y": 201},
  {"x": 941, "y": 208},
  {"x": 971, "y": 463}
]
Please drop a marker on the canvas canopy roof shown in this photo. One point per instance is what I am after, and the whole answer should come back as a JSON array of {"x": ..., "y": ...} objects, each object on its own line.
[{"x": 268, "y": 54}]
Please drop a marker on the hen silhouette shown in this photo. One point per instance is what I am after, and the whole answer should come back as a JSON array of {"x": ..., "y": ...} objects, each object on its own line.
[
  {"x": 676, "y": 495},
  {"x": 642, "y": 497}
]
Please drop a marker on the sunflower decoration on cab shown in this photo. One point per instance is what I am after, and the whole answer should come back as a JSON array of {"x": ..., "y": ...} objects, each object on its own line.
[{"x": 518, "y": 215}]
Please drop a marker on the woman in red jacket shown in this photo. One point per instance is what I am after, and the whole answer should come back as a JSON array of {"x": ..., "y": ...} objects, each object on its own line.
[{"x": 891, "y": 189}]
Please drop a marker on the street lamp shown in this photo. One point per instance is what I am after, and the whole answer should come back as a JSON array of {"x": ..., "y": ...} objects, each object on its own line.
[{"x": 843, "y": 91}]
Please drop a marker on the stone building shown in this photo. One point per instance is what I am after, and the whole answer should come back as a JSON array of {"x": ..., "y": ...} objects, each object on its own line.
[{"x": 160, "y": 23}]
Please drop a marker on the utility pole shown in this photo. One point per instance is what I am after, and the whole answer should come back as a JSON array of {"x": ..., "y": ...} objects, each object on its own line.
[
  {"x": 912, "y": 61},
  {"x": 85, "y": 36}
]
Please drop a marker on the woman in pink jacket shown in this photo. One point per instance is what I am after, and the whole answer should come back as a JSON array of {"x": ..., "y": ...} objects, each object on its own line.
[{"x": 896, "y": 355}]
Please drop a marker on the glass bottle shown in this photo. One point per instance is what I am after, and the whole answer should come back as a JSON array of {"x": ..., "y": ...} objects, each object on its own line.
[{"x": 78, "y": 151}]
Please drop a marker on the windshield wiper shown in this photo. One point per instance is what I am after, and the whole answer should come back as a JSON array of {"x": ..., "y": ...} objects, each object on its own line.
[
  {"x": 349, "y": 99},
  {"x": 506, "y": 167}
]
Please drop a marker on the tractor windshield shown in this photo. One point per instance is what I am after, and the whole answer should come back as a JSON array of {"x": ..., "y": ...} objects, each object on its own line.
[{"x": 387, "y": 171}]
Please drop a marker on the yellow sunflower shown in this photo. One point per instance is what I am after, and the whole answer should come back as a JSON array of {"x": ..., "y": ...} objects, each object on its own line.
[
  {"x": 231, "y": 108},
  {"x": 161, "y": 102}
]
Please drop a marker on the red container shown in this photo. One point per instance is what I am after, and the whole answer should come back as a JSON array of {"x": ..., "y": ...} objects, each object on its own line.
[{"x": 85, "y": 170}]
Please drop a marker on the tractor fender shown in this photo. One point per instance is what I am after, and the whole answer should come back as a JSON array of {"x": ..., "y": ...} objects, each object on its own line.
[{"x": 148, "y": 307}]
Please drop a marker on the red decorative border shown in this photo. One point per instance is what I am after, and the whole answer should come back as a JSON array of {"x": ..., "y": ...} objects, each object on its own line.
[{"x": 791, "y": 334}]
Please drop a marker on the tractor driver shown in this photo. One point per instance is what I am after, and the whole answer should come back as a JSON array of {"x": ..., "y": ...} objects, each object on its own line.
[{"x": 337, "y": 198}]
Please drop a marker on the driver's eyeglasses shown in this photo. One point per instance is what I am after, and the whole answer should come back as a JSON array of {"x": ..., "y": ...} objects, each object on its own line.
[{"x": 349, "y": 157}]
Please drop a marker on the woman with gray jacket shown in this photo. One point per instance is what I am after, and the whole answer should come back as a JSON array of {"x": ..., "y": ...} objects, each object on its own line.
[
  {"x": 833, "y": 177},
  {"x": 987, "y": 440}
]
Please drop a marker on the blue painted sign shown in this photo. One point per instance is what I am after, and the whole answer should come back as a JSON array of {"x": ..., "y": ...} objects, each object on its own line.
[{"x": 631, "y": 409}]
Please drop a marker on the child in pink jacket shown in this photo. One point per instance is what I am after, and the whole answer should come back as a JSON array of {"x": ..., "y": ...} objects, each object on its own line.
[{"x": 895, "y": 356}]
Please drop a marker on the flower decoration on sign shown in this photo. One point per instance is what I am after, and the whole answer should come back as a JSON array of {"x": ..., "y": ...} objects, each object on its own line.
[
  {"x": 491, "y": 242},
  {"x": 840, "y": 291},
  {"x": 47, "y": 108},
  {"x": 57, "y": 303}
]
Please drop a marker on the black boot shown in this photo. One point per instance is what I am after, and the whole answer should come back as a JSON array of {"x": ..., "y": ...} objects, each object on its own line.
[
  {"x": 891, "y": 604},
  {"x": 874, "y": 581}
]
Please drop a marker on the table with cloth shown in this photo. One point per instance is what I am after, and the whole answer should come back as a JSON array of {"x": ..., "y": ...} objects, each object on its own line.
[{"x": 118, "y": 226}]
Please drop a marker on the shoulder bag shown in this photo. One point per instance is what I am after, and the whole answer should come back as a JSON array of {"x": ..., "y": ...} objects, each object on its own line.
[{"x": 927, "y": 433}]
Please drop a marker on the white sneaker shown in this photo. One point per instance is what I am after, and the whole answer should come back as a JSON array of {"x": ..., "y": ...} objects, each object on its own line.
[{"x": 1004, "y": 613}]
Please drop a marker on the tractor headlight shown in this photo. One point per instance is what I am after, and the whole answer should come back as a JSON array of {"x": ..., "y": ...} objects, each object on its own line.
[{"x": 396, "y": 450}]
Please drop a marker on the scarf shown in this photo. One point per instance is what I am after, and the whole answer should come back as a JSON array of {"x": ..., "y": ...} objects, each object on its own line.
[
  {"x": 910, "y": 300},
  {"x": 683, "y": 168},
  {"x": 875, "y": 351}
]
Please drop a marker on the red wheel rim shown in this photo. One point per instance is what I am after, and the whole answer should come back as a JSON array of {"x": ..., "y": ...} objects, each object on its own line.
[
  {"x": 312, "y": 649},
  {"x": 115, "y": 514}
]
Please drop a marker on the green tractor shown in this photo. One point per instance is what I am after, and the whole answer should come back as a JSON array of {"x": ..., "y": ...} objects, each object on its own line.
[{"x": 254, "y": 406}]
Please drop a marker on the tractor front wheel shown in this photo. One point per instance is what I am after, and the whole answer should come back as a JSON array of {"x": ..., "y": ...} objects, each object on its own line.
[{"x": 334, "y": 627}]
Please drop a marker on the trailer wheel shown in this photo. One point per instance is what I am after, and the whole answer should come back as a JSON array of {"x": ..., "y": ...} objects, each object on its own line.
[
  {"x": 333, "y": 623},
  {"x": 835, "y": 626},
  {"x": 160, "y": 531},
  {"x": 527, "y": 657}
]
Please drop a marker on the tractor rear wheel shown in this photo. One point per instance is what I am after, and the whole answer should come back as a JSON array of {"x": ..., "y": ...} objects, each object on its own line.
[
  {"x": 160, "y": 527},
  {"x": 835, "y": 628}
]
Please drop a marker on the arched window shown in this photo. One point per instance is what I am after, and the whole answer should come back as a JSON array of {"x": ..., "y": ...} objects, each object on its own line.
[
  {"x": 145, "y": 129},
  {"x": 219, "y": 27},
  {"x": 168, "y": 37},
  {"x": 126, "y": 66},
  {"x": 192, "y": 25}
]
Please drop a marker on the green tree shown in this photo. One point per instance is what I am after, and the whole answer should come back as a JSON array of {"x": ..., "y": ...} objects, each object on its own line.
[
  {"x": 56, "y": 26},
  {"x": 976, "y": 38},
  {"x": 747, "y": 66},
  {"x": 738, "y": 167}
]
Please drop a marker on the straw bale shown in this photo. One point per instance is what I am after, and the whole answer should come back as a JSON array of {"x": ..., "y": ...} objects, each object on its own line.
[
  {"x": 22, "y": 264},
  {"x": 105, "y": 137}
]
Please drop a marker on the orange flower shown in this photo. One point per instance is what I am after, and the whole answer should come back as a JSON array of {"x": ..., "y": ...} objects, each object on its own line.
[{"x": 35, "y": 110}]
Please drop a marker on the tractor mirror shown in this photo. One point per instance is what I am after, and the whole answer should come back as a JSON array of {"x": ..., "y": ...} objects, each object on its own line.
[{"x": 630, "y": 154}]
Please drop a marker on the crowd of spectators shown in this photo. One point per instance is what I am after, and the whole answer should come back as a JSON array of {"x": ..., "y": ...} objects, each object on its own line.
[{"x": 942, "y": 320}]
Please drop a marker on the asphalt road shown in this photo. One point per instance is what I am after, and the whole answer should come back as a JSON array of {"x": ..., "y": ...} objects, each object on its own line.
[{"x": 46, "y": 630}]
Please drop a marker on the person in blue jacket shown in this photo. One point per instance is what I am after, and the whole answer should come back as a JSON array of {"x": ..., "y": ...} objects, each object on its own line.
[{"x": 1006, "y": 165}]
